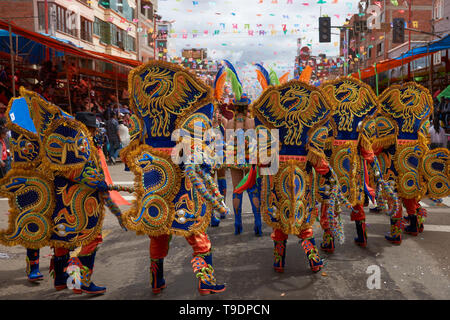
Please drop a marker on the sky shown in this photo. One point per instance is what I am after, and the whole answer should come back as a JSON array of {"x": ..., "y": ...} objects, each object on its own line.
[{"x": 275, "y": 51}]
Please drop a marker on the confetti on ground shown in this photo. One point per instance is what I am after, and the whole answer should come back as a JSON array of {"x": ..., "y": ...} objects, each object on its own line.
[{"x": 324, "y": 274}]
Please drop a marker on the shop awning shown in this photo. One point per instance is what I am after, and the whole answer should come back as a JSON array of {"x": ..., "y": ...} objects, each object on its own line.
[
  {"x": 413, "y": 54},
  {"x": 29, "y": 51}
]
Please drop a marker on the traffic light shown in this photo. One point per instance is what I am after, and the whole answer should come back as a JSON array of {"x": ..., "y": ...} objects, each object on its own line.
[
  {"x": 398, "y": 30},
  {"x": 324, "y": 29}
]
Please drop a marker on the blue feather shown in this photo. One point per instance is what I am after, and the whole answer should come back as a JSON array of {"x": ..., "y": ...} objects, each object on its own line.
[
  {"x": 231, "y": 67},
  {"x": 264, "y": 72}
]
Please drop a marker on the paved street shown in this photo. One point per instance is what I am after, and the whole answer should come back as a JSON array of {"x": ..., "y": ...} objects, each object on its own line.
[{"x": 418, "y": 269}]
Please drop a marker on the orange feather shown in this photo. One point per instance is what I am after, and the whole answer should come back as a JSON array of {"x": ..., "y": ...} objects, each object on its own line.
[{"x": 261, "y": 79}]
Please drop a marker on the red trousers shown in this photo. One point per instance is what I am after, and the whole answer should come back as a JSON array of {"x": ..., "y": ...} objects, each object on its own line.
[
  {"x": 324, "y": 223},
  {"x": 278, "y": 235},
  {"x": 411, "y": 206},
  {"x": 358, "y": 214},
  {"x": 159, "y": 246},
  {"x": 85, "y": 250}
]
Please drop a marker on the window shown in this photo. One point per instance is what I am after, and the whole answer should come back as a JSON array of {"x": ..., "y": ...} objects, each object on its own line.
[
  {"x": 118, "y": 37},
  {"x": 147, "y": 5},
  {"x": 58, "y": 19},
  {"x": 419, "y": 63},
  {"x": 438, "y": 9},
  {"x": 66, "y": 21},
  {"x": 113, "y": 34},
  {"x": 97, "y": 26},
  {"x": 105, "y": 32},
  {"x": 120, "y": 6},
  {"x": 380, "y": 49},
  {"x": 437, "y": 58},
  {"x": 131, "y": 43},
  {"x": 41, "y": 15},
  {"x": 86, "y": 29}
]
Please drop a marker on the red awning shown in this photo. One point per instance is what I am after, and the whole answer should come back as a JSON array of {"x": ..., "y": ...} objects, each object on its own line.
[
  {"x": 387, "y": 65},
  {"x": 67, "y": 48}
]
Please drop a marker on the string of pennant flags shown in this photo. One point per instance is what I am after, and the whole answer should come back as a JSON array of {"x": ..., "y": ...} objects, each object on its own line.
[{"x": 252, "y": 31}]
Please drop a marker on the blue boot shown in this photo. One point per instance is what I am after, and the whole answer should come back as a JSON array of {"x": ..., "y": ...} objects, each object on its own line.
[
  {"x": 309, "y": 246},
  {"x": 222, "y": 184},
  {"x": 87, "y": 286},
  {"x": 279, "y": 255},
  {"x": 202, "y": 265},
  {"x": 258, "y": 227},
  {"x": 253, "y": 194},
  {"x": 59, "y": 265},
  {"x": 421, "y": 215},
  {"x": 413, "y": 228},
  {"x": 328, "y": 241},
  {"x": 237, "y": 214},
  {"x": 214, "y": 221},
  {"x": 32, "y": 270},
  {"x": 395, "y": 236},
  {"x": 361, "y": 240},
  {"x": 157, "y": 275}
]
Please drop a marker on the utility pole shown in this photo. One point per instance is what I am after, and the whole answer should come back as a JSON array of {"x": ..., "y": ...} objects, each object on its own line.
[
  {"x": 46, "y": 28},
  {"x": 346, "y": 46},
  {"x": 11, "y": 53},
  {"x": 346, "y": 51},
  {"x": 409, "y": 37},
  {"x": 137, "y": 31}
]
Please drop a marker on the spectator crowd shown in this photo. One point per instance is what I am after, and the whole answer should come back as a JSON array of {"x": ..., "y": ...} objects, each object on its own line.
[{"x": 113, "y": 117}]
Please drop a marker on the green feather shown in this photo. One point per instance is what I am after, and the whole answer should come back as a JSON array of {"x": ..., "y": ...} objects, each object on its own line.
[
  {"x": 235, "y": 85},
  {"x": 274, "y": 81}
]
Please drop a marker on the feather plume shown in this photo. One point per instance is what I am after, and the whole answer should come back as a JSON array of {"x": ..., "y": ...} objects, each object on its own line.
[
  {"x": 230, "y": 66},
  {"x": 262, "y": 76},
  {"x": 219, "y": 83},
  {"x": 235, "y": 84},
  {"x": 306, "y": 74},
  {"x": 284, "y": 78},
  {"x": 274, "y": 78}
]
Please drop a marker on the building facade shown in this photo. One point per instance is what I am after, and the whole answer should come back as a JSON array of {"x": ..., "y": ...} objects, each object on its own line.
[
  {"x": 105, "y": 26},
  {"x": 162, "y": 39},
  {"x": 372, "y": 45},
  {"x": 146, "y": 29}
]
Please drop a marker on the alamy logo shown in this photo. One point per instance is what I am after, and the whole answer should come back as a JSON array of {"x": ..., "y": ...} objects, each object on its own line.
[
  {"x": 74, "y": 279},
  {"x": 374, "y": 280},
  {"x": 237, "y": 147}
]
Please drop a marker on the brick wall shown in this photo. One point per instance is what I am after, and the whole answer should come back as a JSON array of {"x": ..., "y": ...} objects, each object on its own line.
[
  {"x": 421, "y": 19},
  {"x": 18, "y": 8}
]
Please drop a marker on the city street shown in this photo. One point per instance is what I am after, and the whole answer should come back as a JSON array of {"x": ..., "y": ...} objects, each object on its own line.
[{"x": 418, "y": 269}]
